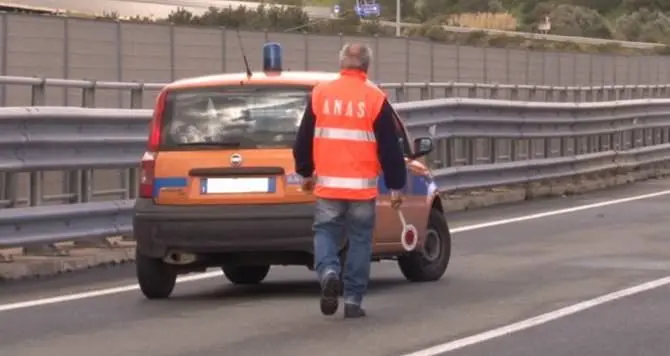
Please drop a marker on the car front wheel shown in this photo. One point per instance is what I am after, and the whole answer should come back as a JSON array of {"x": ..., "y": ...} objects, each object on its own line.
[{"x": 430, "y": 262}]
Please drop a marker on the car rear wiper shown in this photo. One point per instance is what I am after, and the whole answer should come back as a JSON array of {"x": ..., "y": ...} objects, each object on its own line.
[{"x": 233, "y": 144}]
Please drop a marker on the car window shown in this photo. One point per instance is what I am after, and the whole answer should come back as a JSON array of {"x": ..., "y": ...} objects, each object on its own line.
[{"x": 250, "y": 117}]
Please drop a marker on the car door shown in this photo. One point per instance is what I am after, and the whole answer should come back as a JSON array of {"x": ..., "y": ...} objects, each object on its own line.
[
  {"x": 416, "y": 205},
  {"x": 388, "y": 228}
]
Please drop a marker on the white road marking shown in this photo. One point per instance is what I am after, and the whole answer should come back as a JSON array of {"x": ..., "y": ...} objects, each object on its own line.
[
  {"x": 540, "y": 319},
  {"x": 197, "y": 277},
  {"x": 558, "y": 212},
  {"x": 98, "y": 293}
]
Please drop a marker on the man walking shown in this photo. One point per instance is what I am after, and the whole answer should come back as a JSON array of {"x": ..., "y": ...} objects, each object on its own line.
[{"x": 347, "y": 137}]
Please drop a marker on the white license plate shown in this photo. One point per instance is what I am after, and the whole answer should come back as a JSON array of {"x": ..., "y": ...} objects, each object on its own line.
[{"x": 236, "y": 185}]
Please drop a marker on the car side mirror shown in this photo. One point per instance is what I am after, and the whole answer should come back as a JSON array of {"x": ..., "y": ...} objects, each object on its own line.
[{"x": 422, "y": 147}]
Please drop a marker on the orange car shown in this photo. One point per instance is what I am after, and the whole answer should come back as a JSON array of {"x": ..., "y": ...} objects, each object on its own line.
[{"x": 217, "y": 186}]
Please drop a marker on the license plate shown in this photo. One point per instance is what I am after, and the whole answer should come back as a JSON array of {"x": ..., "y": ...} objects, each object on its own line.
[{"x": 236, "y": 185}]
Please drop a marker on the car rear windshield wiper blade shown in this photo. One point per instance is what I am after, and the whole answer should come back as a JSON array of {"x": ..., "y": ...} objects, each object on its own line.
[{"x": 213, "y": 143}]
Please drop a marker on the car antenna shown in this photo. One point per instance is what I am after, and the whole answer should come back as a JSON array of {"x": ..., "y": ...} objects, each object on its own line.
[{"x": 244, "y": 56}]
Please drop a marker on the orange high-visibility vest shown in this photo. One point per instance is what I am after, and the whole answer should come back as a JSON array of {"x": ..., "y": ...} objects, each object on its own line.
[{"x": 346, "y": 164}]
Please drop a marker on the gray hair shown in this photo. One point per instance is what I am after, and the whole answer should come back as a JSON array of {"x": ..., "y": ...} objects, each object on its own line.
[{"x": 355, "y": 56}]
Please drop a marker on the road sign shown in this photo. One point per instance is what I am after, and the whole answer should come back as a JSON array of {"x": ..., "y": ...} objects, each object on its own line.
[{"x": 367, "y": 10}]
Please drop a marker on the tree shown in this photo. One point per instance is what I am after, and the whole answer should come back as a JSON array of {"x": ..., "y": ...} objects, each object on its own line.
[
  {"x": 570, "y": 20},
  {"x": 645, "y": 26},
  {"x": 635, "y": 5},
  {"x": 602, "y": 6}
]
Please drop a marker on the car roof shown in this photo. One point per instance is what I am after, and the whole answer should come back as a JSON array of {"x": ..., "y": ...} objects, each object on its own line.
[{"x": 262, "y": 78}]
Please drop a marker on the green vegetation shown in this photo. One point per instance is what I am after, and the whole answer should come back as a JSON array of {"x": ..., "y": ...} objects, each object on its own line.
[{"x": 629, "y": 20}]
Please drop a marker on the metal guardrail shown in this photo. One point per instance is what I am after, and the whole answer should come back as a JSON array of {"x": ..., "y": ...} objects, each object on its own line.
[
  {"x": 573, "y": 138},
  {"x": 398, "y": 92},
  {"x": 479, "y": 143}
]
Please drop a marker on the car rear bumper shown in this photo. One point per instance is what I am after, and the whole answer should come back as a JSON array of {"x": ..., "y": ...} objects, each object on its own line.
[{"x": 159, "y": 229}]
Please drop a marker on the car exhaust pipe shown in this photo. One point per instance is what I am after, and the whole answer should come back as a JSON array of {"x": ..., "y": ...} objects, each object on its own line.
[{"x": 180, "y": 258}]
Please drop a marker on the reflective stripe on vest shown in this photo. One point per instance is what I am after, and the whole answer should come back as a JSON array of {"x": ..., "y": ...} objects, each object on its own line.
[
  {"x": 347, "y": 183},
  {"x": 345, "y": 134}
]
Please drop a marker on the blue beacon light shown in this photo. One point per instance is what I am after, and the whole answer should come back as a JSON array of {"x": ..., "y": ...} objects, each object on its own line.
[{"x": 272, "y": 57}]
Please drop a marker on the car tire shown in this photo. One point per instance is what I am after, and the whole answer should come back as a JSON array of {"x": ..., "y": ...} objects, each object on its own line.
[
  {"x": 155, "y": 277},
  {"x": 416, "y": 266},
  {"x": 245, "y": 274}
]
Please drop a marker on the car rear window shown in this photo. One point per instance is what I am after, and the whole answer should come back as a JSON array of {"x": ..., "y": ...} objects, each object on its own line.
[{"x": 238, "y": 117}]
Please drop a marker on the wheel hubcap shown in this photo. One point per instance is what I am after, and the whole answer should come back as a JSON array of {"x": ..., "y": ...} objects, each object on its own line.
[{"x": 432, "y": 246}]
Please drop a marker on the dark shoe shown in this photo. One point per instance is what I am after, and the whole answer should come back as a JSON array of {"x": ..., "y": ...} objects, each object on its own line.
[
  {"x": 330, "y": 291},
  {"x": 353, "y": 311}
]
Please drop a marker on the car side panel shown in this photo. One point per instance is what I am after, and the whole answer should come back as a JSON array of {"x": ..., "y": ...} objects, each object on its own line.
[{"x": 416, "y": 207}]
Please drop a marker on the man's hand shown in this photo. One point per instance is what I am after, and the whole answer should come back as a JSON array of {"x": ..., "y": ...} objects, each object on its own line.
[
  {"x": 307, "y": 185},
  {"x": 396, "y": 199}
]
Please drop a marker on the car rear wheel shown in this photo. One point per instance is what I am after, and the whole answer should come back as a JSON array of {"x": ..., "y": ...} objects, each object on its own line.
[
  {"x": 245, "y": 274},
  {"x": 156, "y": 278},
  {"x": 430, "y": 262}
]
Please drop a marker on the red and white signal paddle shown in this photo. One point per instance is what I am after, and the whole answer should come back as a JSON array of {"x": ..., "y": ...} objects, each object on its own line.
[{"x": 409, "y": 236}]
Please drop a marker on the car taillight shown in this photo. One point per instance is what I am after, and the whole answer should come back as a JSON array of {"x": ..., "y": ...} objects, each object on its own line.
[
  {"x": 148, "y": 163},
  {"x": 156, "y": 126},
  {"x": 147, "y": 167}
]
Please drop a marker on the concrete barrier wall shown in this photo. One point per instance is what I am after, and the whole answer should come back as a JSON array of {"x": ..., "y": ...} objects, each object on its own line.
[{"x": 59, "y": 47}]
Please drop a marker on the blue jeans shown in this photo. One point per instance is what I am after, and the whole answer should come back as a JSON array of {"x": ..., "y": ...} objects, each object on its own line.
[{"x": 333, "y": 220}]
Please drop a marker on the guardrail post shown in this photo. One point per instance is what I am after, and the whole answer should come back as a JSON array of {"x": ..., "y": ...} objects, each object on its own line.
[
  {"x": 136, "y": 102},
  {"x": 74, "y": 178},
  {"x": 472, "y": 91},
  {"x": 656, "y": 91},
  {"x": 600, "y": 94},
  {"x": 35, "y": 199},
  {"x": 546, "y": 142},
  {"x": 38, "y": 93},
  {"x": 424, "y": 91},
  {"x": 493, "y": 91},
  {"x": 471, "y": 154},
  {"x": 85, "y": 195},
  {"x": 136, "y": 97},
  {"x": 563, "y": 94},
  {"x": 88, "y": 96},
  {"x": 588, "y": 94},
  {"x": 576, "y": 94},
  {"x": 532, "y": 93},
  {"x": 514, "y": 93},
  {"x": 449, "y": 90},
  {"x": 549, "y": 94},
  {"x": 400, "y": 94},
  {"x": 130, "y": 182},
  {"x": 9, "y": 189}
]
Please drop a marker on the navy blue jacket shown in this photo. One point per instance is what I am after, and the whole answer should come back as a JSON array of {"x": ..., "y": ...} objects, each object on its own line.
[{"x": 388, "y": 145}]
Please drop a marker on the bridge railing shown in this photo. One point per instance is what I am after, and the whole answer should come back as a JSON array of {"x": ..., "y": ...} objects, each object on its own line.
[
  {"x": 479, "y": 144},
  {"x": 136, "y": 95}
]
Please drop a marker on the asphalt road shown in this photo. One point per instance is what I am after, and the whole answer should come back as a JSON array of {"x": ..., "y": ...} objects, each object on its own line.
[
  {"x": 499, "y": 275},
  {"x": 637, "y": 325}
]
